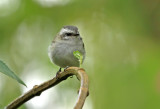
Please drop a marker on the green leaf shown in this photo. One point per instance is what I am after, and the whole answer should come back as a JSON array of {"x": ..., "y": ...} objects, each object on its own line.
[
  {"x": 79, "y": 56},
  {"x": 5, "y": 70}
]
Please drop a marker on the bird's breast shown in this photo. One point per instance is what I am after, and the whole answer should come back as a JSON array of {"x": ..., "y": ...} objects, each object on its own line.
[{"x": 63, "y": 53}]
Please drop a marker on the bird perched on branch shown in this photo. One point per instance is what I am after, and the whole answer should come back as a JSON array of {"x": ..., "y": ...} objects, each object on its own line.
[{"x": 64, "y": 44}]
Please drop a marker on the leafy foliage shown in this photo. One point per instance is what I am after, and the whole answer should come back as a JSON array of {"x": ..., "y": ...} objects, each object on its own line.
[
  {"x": 5, "y": 70},
  {"x": 79, "y": 56}
]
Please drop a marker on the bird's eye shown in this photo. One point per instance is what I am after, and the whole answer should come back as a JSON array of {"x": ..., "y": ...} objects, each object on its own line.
[
  {"x": 69, "y": 34},
  {"x": 76, "y": 34}
]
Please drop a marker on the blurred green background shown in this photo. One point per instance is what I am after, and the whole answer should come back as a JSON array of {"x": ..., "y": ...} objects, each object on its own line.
[{"x": 122, "y": 40}]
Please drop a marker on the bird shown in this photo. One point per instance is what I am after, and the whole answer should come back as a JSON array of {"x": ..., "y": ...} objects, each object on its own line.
[{"x": 60, "y": 51}]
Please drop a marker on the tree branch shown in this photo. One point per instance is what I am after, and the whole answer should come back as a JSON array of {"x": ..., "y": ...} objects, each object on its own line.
[{"x": 38, "y": 89}]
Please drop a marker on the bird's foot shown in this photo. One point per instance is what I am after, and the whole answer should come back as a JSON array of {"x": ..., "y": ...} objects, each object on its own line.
[
  {"x": 58, "y": 73},
  {"x": 66, "y": 68}
]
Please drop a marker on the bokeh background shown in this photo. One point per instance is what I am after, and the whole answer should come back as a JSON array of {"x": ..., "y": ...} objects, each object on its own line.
[{"x": 122, "y": 40}]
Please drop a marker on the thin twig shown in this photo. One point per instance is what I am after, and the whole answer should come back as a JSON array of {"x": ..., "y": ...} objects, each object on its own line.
[{"x": 38, "y": 89}]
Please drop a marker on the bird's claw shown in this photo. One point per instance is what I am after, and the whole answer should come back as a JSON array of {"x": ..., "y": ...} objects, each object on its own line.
[
  {"x": 66, "y": 68},
  {"x": 58, "y": 73}
]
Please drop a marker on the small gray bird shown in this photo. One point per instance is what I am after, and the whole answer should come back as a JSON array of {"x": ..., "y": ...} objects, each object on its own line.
[{"x": 64, "y": 44}]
